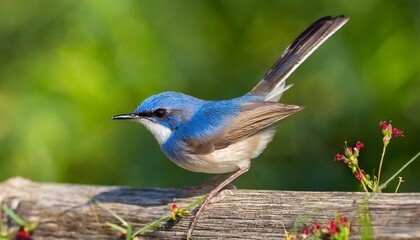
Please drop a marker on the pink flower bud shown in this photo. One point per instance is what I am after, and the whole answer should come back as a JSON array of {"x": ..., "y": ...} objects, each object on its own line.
[
  {"x": 348, "y": 152},
  {"x": 359, "y": 145},
  {"x": 383, "y": 125},
  {"x": 338, "y": 157},
  {"x": 397, "y": 133},
  {"x": 22, "y": 235},
  {"x": 359, "y": 176},
  {"x": 316, "y": 228},
  {"x": 332, "y": 228},
  {"x": 305, "y": 233},
  {"x": 386, "y": 129}
]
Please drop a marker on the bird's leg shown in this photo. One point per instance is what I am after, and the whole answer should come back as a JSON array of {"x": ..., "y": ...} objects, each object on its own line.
[
  {"x": 203, "y": 188},
  {"x": 213, "y": 180},
  {"x": 211, "y": 195}
]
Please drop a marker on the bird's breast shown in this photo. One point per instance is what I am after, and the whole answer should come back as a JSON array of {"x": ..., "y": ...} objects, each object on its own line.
[{"x": 228, "y": 159}]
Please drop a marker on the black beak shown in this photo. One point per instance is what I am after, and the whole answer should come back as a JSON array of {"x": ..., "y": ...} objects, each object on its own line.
[{"x": 125, "y": 116}]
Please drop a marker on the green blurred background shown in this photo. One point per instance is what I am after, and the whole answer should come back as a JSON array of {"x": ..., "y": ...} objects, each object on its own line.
[{"x": 66, "y": 67}]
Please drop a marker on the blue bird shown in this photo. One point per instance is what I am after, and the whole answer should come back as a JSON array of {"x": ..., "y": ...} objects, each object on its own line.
[{"x": 222, "y": 137}]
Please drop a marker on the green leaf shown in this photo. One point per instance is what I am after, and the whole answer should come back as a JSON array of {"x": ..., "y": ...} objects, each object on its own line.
[
  {"x": 9, "y": 212},
  {"x": 366, "y": 229},
  {"x": 117, "y": 227},
  {"x": 123, "y": 222},
  {"x": 128, "y": 236},
  {"x": 196, "y": 203},
  {"x": 151, "y": 225}
]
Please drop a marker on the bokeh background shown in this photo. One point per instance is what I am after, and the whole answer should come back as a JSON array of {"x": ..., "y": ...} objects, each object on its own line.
[{"x": 66, "y": 67}]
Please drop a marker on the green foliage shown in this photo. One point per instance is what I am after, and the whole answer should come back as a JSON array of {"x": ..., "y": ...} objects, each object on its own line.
[
  {"x": 366, "y": 228},
  {"x": 66, "y": 67},
  {"x": 175, "y": 215}
]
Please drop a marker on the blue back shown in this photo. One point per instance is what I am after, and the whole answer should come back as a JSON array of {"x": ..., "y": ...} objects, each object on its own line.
[{"x": 192, "y": 118}]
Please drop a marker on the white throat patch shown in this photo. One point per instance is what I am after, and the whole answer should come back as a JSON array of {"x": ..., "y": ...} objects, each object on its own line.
[{"x": 160, "y": 132}]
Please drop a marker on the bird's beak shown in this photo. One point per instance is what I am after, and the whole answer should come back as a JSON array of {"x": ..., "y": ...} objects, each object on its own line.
[{"x": 125, "y": 116}]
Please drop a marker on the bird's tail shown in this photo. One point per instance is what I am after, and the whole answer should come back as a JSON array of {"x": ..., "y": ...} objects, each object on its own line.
[{"x": 274, "y": 82}]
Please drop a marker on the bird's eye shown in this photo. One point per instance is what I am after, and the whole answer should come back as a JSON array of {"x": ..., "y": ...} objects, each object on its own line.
[{"x": 160, "y": 112}]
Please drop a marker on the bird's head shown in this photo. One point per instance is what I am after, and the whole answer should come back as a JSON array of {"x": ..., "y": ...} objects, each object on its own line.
[{"x": 163, "y": 113}]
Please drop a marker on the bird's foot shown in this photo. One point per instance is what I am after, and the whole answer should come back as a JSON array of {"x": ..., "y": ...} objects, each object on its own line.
[
  {"x": 222, "y": 195},
  {"x": 218, "y": 198},
  {"x": 209, "y": 199},
  {"x": 210, "y": 196}
]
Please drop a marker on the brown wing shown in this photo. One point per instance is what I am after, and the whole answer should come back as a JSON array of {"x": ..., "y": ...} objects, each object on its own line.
[{"x": 253, "y": 118}]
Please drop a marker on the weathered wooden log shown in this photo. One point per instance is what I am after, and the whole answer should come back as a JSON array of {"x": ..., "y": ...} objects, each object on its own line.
[{"x": 66, "y": 211}]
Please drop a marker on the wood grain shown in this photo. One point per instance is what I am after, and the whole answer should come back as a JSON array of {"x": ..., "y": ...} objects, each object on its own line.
[{"x": 66, "y": 211}]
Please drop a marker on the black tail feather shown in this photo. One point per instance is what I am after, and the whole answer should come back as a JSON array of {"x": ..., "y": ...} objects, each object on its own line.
[{"x": 273, "y": 83}]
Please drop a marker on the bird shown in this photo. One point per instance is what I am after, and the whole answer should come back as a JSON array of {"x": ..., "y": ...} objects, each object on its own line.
[{"x": 223, "y": 136}]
